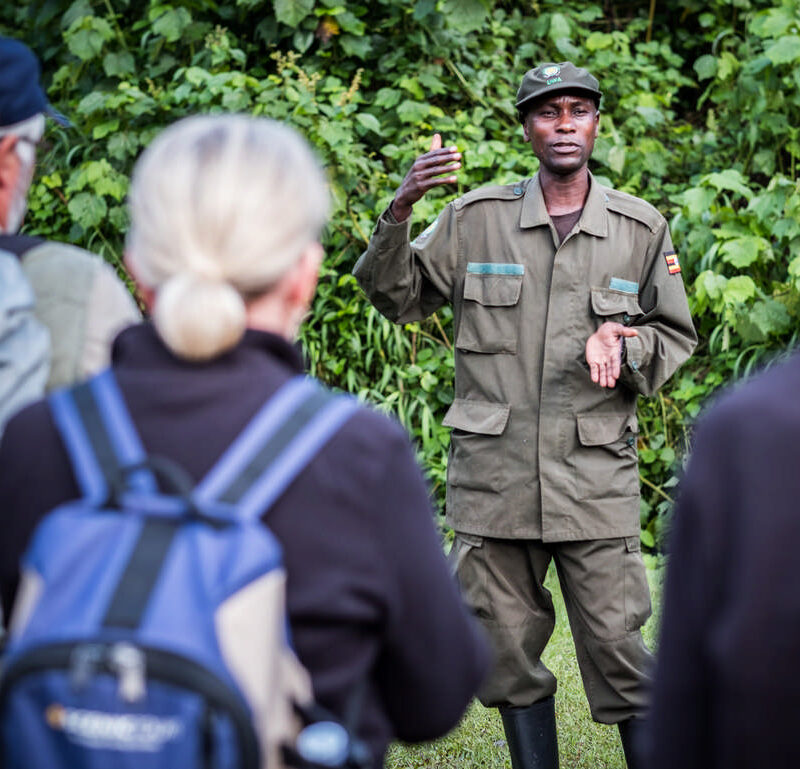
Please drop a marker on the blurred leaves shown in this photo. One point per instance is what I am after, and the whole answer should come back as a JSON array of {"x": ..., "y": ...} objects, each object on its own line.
[{"x": 700, "y": 116}]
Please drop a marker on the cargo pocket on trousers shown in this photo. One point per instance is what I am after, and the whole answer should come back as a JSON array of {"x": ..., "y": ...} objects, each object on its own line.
[
  {"x": 469, "y": 572},
  {"x": 637, "y": 591},
  {"x": 462, "y": 544},
  {"x": 490, "y": 312},
  {"x": 607, "y": 457}
]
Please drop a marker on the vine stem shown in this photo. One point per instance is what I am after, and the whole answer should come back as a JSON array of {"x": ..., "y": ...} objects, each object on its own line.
[
  {"x": 113, "y": 16},
  {"x": 438, "y": 323},
  {"x": 357, "y": 226},
  {"x": 657, "y": 489}
]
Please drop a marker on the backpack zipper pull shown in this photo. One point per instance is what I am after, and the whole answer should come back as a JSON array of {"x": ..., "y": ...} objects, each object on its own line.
[
  {"x": 83, "y": 662},
  {"x": 128, "y": 663}
]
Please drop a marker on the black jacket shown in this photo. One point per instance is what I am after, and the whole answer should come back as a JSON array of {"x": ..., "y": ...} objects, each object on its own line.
[
  {"x": 369, "y": 591},
  {"x": 727, "y": 687}
]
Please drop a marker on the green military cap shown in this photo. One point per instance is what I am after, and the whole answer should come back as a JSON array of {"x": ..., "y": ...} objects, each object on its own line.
[{"x": 547, "y": 78}]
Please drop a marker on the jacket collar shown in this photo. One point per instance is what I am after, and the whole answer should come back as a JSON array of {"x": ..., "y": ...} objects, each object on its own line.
[
  {"x": 594, "y": 219},
  {"x": 140, "y": 346}
]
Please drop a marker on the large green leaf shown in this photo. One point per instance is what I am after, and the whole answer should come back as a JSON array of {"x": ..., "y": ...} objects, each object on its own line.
[
  {"x": 87, "y": 36},
  {"x": 763, "y": 319},
  {"x": 785, "y": 50},
  {"x": 742, "y": 252},
  {"x": 464, "y": 15},
  {"x": 119, "y": 63},
  {"x": 708, "y": 290},
  {"x": 774, "y": 22},
  {"x": 370, "y": 122},
  {"x": 616, "y": 159},
  {"x": 599, "y": 40},
  {"x": 739, "y": 289},
  {"x": 87, "y": 209},
  {"x": 424, "y": 8},
  {"x": 387, "y": 97},
  {"x": 698, "y": 200},
  {"x": 353, "y": 45},
  {"x": 706, "y": 66},
  {"x": 172, "y": 23},
  {"x": 413, "y": 111},
  {"x": 729, "y": 179},
  {"x": 559, "y": 27},
  {"x": 292, "y": 12}
]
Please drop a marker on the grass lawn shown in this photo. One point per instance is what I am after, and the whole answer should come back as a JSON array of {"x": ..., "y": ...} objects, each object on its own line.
[{"x": 478, "y": 741}]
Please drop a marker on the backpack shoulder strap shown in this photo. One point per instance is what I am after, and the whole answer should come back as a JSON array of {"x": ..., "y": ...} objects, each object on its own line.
[
  {"x": 100, "y": 436},
  {"x": 19, "y": 244},
  {"x": 278, "y": 442}
]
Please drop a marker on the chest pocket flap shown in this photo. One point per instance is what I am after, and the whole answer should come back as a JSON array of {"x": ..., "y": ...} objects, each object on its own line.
[
  {"x": 493, "y": 290},
  {"x": 610, "y": 301}
]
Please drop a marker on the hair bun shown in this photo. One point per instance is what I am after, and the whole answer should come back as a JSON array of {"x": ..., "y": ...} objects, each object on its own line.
[{"x": 199, "y": 317}]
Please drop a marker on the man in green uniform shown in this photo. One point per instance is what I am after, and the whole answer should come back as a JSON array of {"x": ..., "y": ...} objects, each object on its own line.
[{"x": 568, "y": 302}]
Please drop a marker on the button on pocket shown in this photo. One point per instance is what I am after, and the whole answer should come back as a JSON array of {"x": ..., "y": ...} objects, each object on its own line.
[{"x": 614, "y": 305}]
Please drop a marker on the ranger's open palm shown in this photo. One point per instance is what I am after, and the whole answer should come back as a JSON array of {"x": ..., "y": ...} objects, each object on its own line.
[
  {"x": 434, "y": 168},
  {"x": 604, "y": 352}
]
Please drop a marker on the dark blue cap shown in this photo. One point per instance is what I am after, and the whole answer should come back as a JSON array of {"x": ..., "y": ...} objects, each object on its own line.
[{"x": 21, "y": 94}]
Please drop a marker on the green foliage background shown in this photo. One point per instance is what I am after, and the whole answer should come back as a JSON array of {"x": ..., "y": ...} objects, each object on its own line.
[{"x": 700, "y": 116}]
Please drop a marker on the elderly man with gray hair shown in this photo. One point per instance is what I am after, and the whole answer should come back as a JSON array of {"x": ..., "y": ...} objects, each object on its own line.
[{"x": 79, "y": 298}]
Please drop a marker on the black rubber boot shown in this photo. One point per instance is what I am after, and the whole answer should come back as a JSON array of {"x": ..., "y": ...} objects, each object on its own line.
[
  {"x": 531, "y": 735},
  {"x": 630, "y": 734}
]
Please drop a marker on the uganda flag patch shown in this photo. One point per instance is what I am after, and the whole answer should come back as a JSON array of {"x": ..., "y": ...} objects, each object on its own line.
[{"x": 673, "y": 265}]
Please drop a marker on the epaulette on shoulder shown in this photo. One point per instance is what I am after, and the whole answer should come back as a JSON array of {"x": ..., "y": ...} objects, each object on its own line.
[
  {"x": 634, "y": 208},
  {"x": 495, "y": 192}
]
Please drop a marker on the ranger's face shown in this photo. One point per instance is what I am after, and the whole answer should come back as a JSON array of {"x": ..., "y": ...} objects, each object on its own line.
[{"x": 561, "y": 130}]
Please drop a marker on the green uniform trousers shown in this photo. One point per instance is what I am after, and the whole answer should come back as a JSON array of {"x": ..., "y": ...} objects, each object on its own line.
[{"x": 604, "y": 584}]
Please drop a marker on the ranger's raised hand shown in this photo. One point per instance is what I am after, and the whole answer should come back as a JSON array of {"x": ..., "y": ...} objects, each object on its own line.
[{"x": 434, "y": 168}]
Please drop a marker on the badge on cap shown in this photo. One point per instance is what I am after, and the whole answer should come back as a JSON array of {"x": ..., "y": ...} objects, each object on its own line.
[
  {"x": 673, "y": 265},
  {"x": 552, "y": 74}
]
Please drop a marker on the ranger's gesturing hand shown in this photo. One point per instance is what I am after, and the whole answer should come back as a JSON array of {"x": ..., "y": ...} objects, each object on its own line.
[
  {"x": 604, "y": 352},
  {"x": 428, "y": 171}
]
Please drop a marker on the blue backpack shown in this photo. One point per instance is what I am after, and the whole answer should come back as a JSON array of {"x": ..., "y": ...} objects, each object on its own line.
[{"x": 149, "y": 629}]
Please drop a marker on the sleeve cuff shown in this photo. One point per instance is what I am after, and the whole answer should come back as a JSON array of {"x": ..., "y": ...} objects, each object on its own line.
[
  {"x": 633, "y": 353},
  {"x": 388, "y": 216}
]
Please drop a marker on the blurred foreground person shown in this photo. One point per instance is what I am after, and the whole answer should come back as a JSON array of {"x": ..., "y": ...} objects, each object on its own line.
[
  {"x": 226, "y": 214},
  {"x": 78, "y": 296},
  {"x": 24, "y": 344},
  {"x": 727, "y": 690}
]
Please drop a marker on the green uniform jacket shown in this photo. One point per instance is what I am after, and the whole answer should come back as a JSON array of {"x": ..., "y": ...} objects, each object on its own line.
[{"x": 538, "y": 450}]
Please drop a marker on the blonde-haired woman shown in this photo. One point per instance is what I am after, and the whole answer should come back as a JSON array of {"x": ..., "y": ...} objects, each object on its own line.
[
  {"x": 221, "y": 211},
  {"x": 226, "y": 214}
]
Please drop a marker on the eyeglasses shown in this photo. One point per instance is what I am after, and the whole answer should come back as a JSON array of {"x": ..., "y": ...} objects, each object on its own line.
[
  {"x": 39, "y": 149},
  {"x": 26, "y": 140}
]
